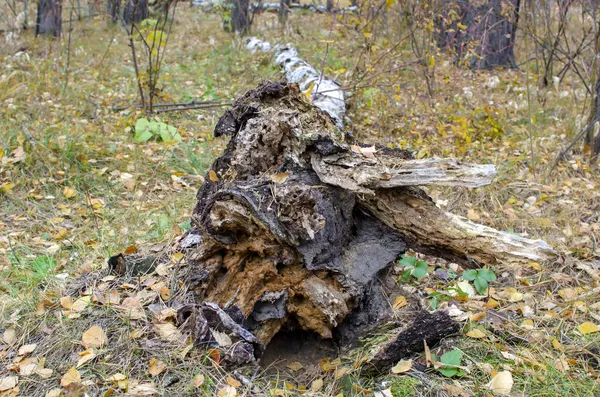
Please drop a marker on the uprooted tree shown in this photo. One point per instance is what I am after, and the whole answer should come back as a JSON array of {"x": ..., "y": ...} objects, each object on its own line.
[{"x": 297, "y": 225}]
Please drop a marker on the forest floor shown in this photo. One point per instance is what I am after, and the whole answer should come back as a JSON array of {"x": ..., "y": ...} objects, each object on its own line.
[{"x": 75, "y": 188}]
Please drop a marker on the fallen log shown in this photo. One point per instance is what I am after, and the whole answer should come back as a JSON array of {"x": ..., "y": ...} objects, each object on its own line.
[{"x": 297, "y": 224}]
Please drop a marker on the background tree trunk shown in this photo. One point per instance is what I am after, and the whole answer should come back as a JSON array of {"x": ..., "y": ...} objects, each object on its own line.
[
  {"x": 284, "y": 9},
  {"x": 594, "y": 119},
  {"x": 135, "y": 11},
  {"x": 485, "y": 29},
  {"x": 113, "y": 8},
  {"x": 240, "y": 21},
  {"x": 48, "y": 20}
]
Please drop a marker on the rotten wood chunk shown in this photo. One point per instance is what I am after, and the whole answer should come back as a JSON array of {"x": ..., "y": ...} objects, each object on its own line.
[
  {"x": 453, "y": 237},
  {"x": 362, "y": 174},
  {"x": 283, "y": 229},
  {"x": 427, "y": 328}
]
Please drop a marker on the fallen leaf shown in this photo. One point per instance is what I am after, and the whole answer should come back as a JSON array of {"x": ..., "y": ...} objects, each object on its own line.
[
  {"x": 233, "y": 382},
  {"x": 281, "y": 177},
  {"x": 56, "y": 392},
  {"x": 69, "y": 192},
  {"x": 222, "y": 338},
  {"x": 44, "y": 373},
  {"x": 227, "y": 391},
  {"x": 116, "y": 377},
  {"x": 10, "y": 336},
  {"x": 28, "y": 366},
  {"x": 156, "y": 367},
  {"x": 85, "y": 357},
  {"x": 399, "y": 302},
  {"x": 316, "y": 385},
  {"x": 198, "y": 380},
  {"x": 472, "y": 215},
  {"x": 402, "y": 366},
  {"x": 26, "y": 349},
  {"x": 8, "y": 382},
  {"x": 501, "y": 384},
  {"x": 71, "y": 376},
  {"x": 94, "y": 337},
  {"x": 168, "y": 332},
  {"x": 295, "y": 366},
  {"x": 132, "y": 249},
  {"x": 66, "y": 302},
  {"x": 212, "y": 175},
  {"x": 476, "y": 334},
  {"x": 588, "y": 328}
]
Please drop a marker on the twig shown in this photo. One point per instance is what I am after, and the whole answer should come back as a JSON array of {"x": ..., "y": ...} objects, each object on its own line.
[
  {"x": 178, "y": 104},
  {"x": 68, "y": 51}
]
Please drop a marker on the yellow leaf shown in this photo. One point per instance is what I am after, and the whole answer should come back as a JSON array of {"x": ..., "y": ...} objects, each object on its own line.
[
  {"x": 66, "y": 302},
  {"x": 476, "y": 333},
  {"x": 295, "y": 366},
  {"x": 85, "y": 357},
  {"x": 431, "y": 61},
  {"x": 6, "y": 187},
  {"x": 156, "y": 367},
  {"x": 178, "y": 256},
  {"x": 340, "y": 372},
  {"x": 316, "y": 385},
  {"x": 227, "y": 391},
  {"x": 116, "y": 377},
  {"x": 556, "y": 344},
  {"x": 280, "y": 177},
  {"x": 168, "y": 331},
  {"x": 10, "y": 336},
  {"x": 69, "y": 192},
  {"x": 233, "y": 382},
  {"x": 389, "y": 3},
  {"x": 94, "y": 337},
  {"x": 402, "y": 366},
  {"x": 72, "y": 376},
  {"x": 472, "y": 215},
  {"x": 198, "y": 380},
  {"x": 56, "y": 392},
  {"x": 501, "y": 384},
  {"x": 212, "y": 175},
  {"x": 399, "y": 302},
  {"x": 309, "y": 91},
  {"x": 26, "y": 349},
  {"x": 8, "y": 382},
  {"x": 588, "y": 328}
]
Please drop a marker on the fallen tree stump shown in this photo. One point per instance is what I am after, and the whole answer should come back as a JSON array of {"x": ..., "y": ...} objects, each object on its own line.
[{"x": 296, "y": 225}]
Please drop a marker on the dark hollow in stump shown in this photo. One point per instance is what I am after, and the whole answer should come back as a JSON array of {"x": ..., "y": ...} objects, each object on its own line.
[{"x": 297, "y": 224}]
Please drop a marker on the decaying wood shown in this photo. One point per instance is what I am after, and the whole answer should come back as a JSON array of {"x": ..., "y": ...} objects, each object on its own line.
[
  {"x": 324, "y": 93},
  {"x": 442, "y": 233},
  {"x": 381, "y": 170},
  {"x": 297, "y": 221}
]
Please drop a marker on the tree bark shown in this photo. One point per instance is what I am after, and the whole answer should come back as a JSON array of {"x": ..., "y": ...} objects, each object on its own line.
[
  {"x": 48, "y": 19},
  {"x": 482, "y": 31}
]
